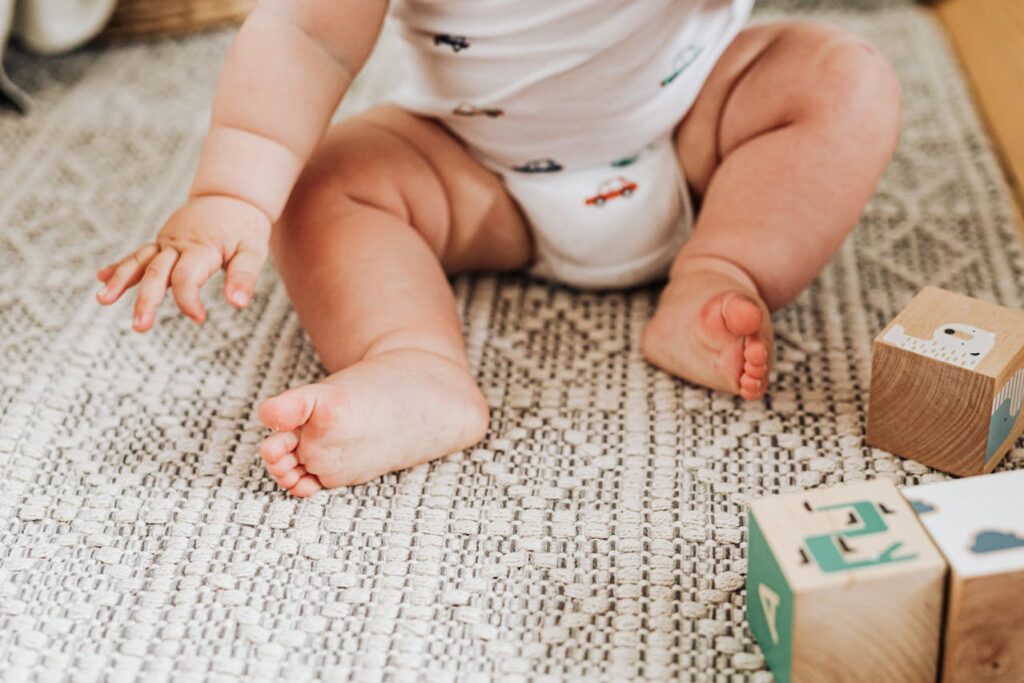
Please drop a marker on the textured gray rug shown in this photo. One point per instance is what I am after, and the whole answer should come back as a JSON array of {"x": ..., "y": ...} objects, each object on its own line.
[{"x": 597, "y": 532}]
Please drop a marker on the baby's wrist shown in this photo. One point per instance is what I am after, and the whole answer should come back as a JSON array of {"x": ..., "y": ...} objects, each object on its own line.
[
  {"x": 238, "y": 203},
  {"x": 249, "y": 167}
]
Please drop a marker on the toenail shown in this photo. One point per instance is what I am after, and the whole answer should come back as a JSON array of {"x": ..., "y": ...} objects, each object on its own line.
[{"x": 239, "y": 297}]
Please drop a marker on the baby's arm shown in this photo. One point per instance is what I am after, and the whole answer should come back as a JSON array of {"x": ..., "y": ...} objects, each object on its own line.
[
  {"x": 283, "y": 78},
  {"x": 282, "y": 81}
]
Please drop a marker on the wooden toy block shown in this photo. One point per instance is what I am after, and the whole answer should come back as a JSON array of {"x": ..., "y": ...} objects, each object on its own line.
[
  {"x": 844, "y": 584},
  {"x": 978, "y": 524},
  {"x": 947, "y": 382}
]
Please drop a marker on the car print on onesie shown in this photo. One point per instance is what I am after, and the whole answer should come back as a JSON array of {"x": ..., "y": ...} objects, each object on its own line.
[
  {"x": 681, "y": 62},
  {"x": 612, "y": 189},
  {"x": 538, "y": 166},
  {"x": 632, "y": 158},
  {"x": 456, "y": 43},
  {"x": 466, "y": 109},
  {"x": 626, "y": 161}
]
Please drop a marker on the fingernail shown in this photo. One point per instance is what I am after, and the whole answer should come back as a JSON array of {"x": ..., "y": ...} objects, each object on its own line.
[
  {"x": 104, "y": 291},
  {"x": 138, "y": 320}
]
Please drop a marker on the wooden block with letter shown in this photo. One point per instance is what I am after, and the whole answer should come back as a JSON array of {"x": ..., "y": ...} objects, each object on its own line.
[
  {"x": 978, "y": 524},
  {"x": 844, "y": 584},
  {"x": 947, "y": 382}
]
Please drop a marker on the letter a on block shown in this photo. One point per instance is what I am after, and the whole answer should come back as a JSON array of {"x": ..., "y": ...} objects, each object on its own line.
[
  {"x": 770, "y": 606},
  {"x": 844, "y": 584}
]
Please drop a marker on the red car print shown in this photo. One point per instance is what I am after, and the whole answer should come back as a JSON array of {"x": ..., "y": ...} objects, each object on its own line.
[{"x": 610, "y": 189}]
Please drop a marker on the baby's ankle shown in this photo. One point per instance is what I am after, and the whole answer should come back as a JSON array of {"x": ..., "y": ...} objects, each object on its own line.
[{"x": 687, "y": 266}]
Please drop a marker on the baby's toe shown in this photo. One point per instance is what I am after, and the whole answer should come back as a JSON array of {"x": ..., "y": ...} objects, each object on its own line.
[
  {"x": 754, "y": 370},
  {"x": 751, "y": 387},
  {"x": 755, "y": 352},
  {"x": 742, "y": 316},
  {"x": 289, "y": 410},
  {"x": 752, "y": 383},
  {"x": 291, "y": 477},
  {"x": 278, "y": 445},
  {"x": 306, "y": 486},
  {"x": 283, "y": 466}
]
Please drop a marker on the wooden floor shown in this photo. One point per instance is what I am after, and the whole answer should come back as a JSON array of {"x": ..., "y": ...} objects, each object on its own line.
[{"x": 988, "y": 36}]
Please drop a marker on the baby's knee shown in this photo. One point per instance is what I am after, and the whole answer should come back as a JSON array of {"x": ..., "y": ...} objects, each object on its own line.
[
  {"x": 361, "y": 169},
  {"x": 858, "y": 90},
  {"x": 336, "y": 177}
]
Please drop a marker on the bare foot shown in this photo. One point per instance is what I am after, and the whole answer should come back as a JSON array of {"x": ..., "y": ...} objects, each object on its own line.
[
  {"x": 385, "y": 413},
  {"x": 712, "y": 328}
]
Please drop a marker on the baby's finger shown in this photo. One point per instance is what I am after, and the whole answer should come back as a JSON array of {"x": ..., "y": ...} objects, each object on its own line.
[
  {"x": 190, "y": 273},
  {"x": 126, "y": 273},
  {"x": 243, "y": 270},
  {"x": 152, "y": 288},
  {"x": 104, "y": 273}
]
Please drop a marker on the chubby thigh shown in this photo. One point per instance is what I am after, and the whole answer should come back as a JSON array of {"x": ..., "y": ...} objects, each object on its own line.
[{"x": 416, "y": 171}]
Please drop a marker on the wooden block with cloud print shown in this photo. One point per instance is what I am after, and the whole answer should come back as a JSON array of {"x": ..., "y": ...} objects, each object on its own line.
[
  {"x": 947, "y": 382},
  {"x": 844, "y": 584},
  {"x": 978, "y": 524}
]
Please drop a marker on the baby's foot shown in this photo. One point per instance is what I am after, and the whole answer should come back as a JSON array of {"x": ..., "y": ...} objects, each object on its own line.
[
  {"x": 385, "y": 413},
  {"x": 712, "y": 328}
]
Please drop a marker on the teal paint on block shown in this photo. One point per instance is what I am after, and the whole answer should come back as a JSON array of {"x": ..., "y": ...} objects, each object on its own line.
[
  {"x": 999, "y": 428},
  {"x": 769, "y": 604},
  {"x": 824, "y": 548}
]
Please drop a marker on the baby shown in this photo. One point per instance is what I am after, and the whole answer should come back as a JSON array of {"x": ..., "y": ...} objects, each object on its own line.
[{"x": 529, "y": 133}]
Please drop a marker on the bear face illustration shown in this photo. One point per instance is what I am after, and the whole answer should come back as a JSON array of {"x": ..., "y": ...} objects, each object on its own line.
[
  {"x": 965, "y": 339},
  {"x": 955, "y": 343}
]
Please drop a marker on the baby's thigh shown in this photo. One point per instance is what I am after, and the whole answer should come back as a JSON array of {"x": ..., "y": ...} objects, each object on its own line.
[
  {"x": 415, "y": 170},
  {"x": 774, "y": 75}
]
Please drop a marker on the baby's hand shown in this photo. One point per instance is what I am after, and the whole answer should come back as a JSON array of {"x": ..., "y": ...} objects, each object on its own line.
[{"x": 208, "y": 233}]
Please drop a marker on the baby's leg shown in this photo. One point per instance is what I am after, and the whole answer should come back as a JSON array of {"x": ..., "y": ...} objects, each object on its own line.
[
  {"x": 785, "y": 144},
  {"x": 389, "y": 202}
]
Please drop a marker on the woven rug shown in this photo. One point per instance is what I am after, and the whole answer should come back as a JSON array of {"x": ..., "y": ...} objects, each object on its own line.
[{"x": 598, "y": 531}]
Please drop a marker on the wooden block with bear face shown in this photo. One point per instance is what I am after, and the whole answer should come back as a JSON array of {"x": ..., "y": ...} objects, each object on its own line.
[
  {"x": 947, "y": 382},
  {"x": 844, "y": 584},
  {"x": 978, "y": 524}
]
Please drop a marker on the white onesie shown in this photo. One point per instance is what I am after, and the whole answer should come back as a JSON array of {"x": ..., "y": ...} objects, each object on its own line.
[{"x": 574, "y": 103}]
